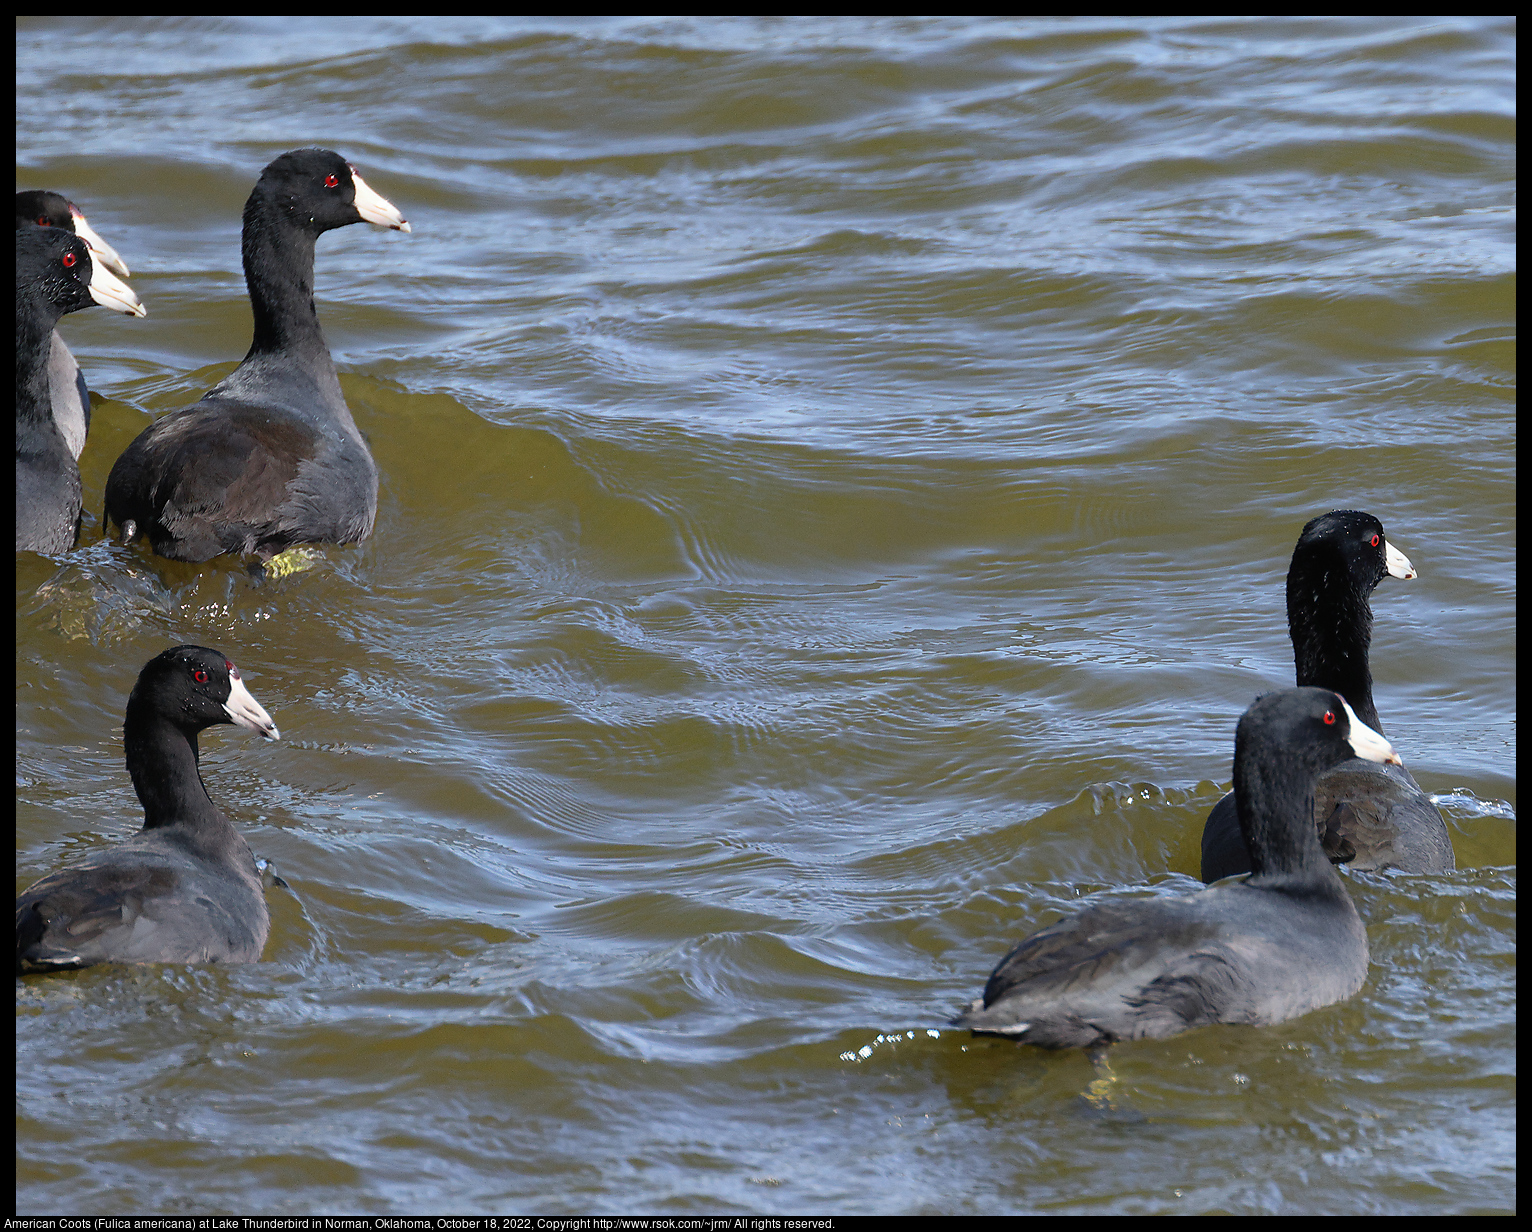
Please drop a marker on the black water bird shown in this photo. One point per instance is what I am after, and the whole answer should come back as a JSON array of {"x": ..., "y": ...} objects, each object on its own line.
[
  {"x": 1260, "y": 950},
  {"x": 270, "y": 457},
  {"x": 184, "y": 889},
  {"x": 1367, "y": 816},
  {"x": 66, "y": 383},
  {"x": 54, "y": 276}
]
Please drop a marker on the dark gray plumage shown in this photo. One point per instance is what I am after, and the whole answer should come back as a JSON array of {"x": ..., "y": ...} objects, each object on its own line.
[
  {"x": 185, "y": 888},
  {"x": 1277, "y": 944},
  {"x": 271, "y": 456},
  {"x": 1367, "y": 816}
]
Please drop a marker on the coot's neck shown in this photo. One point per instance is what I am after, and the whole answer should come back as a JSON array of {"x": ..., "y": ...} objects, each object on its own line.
[
  {"x": 279, "y": 272},
  {"x": 34, "y": 405},
  {"x": 162, "y": 758},
  {"x": 1330, "y": 623},
  {"x": 1276, "y": 816}
]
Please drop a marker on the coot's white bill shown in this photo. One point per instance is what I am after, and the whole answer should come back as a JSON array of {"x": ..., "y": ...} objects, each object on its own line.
[
  {"x": 100, "y": 251},
  {"x": 374, "y": 208},
  {"x": 1368, "y": 743},
  {"x": 1398, "y": 563},
  {"x": 110, "y": 291},
  {"x": 246, "y": 711}
]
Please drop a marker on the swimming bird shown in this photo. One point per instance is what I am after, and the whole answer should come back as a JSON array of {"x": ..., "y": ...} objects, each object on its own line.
[
  {"x": 1368, "y": 816},
  {"x": 271, "y": 456},
  {"x": 66, "y": 383},
  {"x": 54, "y": 276},
  {"x": 1283, "y": 941},
  {"x": 184, "y": 889}
]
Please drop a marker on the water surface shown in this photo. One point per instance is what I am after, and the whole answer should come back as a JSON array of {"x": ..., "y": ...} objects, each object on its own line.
[{"x": 837, "y": 482}]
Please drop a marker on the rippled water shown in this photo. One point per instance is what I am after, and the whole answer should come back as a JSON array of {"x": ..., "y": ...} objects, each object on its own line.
[{"x": 837, "y": 481}]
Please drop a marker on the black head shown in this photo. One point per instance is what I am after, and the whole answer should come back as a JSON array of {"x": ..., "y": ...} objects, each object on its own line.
[
  {"x": 1304, "y": 732},
  {"x": 40, "y": 208},
  {"x": 1349, "y": 549},
  {"x": 53, "y": 273},
  {"x": 194, "y": 687},
  {"x": 60, "y": 273},
  {"x": 318, "y": 190},
  {"x": 48, "y": 209}
]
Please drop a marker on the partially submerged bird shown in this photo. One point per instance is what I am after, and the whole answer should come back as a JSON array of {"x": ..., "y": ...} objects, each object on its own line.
[
  {"x": 184, "y": 889},
  {"x": 1283, "y": 941},
  {"x": 55, "y": 275},
  {"x": 1367, "y": 816},
  {"x": 66, "y": 383},
  {"x": 271, "y": 456}
]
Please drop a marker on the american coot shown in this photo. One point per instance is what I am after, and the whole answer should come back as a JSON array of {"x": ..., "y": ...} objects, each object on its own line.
[
  {"x": 54, "y": 276},
  {"x": 1283, "y": 941},
  {"x": 271, "y": 456},
  {"x": 1368, "y": 816},
  {"x": 185, "y": 888},
  {"x": 66, "y": 384}
]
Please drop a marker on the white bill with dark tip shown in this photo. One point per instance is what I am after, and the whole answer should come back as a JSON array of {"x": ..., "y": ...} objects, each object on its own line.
[
  {"x": 1398, "y": 563},
  {"x": 1368, "y": 743},
  {"x": 373, "y": 208},
  {"x": 101, "y": 252},
  {"x": 111, "y": 292},
  {"x": 245, "y": 710}
]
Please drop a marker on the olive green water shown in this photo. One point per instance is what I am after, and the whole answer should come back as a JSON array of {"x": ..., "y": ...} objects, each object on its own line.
[{"x": 837, "y": 482}]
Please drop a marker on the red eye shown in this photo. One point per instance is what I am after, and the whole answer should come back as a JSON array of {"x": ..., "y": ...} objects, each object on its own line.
[
  {"x": 199, "y": 676},
  {"x": 69, "y": 260},
  {"x": 1329, "y": 718},
  {"x": 1375, "y": 539},
  {"x": 330, "y": 181},
  {"x": 42, "y": 221}
]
